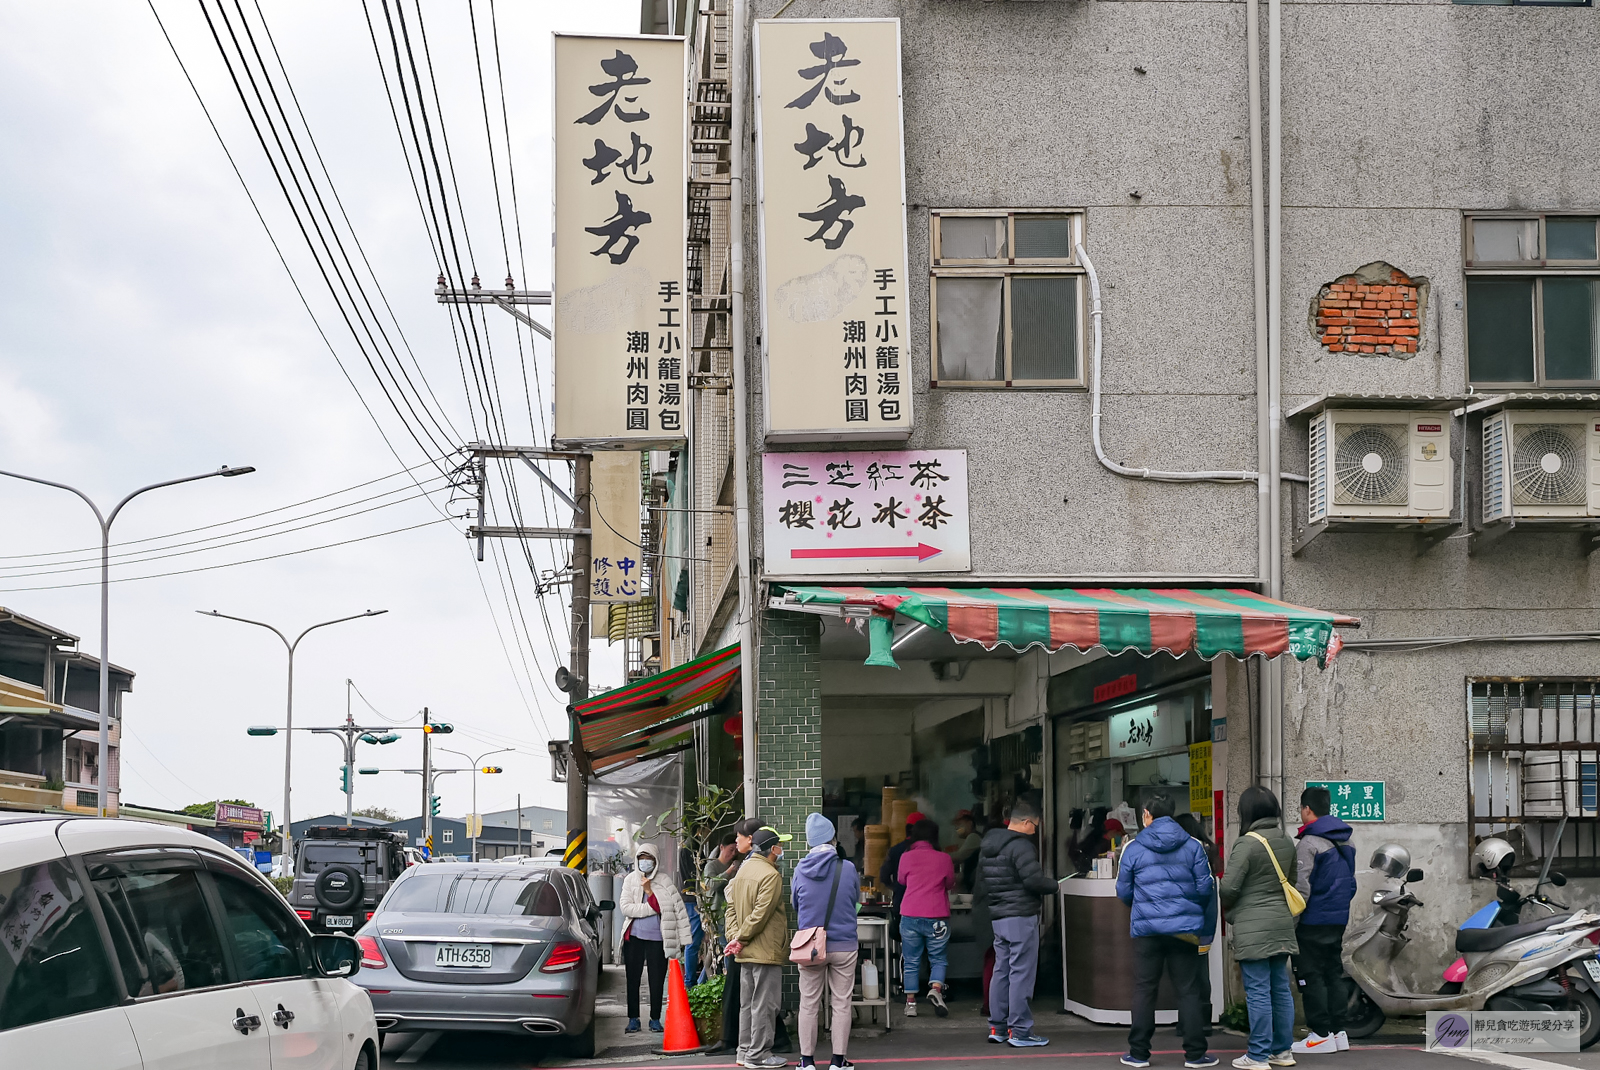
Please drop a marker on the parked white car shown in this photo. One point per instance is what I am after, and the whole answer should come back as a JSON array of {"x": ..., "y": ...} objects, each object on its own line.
[{"x": 136, "y": 946}]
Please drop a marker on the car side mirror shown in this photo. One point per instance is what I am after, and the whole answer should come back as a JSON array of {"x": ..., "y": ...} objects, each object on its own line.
[
  {"x": 1414, "y": 875},
  {"x": 336, "y": 955},
  {"x": 606, "y": 904},
  {"x": 1558, "y": 879}
]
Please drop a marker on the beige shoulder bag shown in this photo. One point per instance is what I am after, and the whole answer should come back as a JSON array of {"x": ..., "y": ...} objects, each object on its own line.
[{"x": 1291, "y": 894}]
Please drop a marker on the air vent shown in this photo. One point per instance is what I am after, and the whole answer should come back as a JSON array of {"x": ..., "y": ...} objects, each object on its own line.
[{"x": 1369, "y": 464}]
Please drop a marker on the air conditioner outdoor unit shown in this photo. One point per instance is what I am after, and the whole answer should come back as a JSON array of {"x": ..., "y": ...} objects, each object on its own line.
[
  {"x": 1541, "y": 464},
  {"x": 1377, "y": 464}
]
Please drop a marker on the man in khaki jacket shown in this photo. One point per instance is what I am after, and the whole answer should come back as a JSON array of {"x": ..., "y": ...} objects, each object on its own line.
[{"x": 758, "y": 938}]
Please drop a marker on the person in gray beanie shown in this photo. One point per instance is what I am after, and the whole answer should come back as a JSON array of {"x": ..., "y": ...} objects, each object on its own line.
[{"x": 826, "y": 891}]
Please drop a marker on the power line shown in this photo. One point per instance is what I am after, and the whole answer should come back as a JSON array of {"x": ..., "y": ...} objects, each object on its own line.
[
  {"x": 153, "y": 556},
  {"x": 236, "y": 520},
  {"x": 272, "y": 239},
  {"x": 375, "y": 710},
  {"x": 295, "y": 209},
  {"x": 231, "y": 564}
]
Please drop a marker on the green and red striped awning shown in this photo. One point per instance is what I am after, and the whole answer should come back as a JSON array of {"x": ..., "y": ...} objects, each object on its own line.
[
  {"x": 1203, "y": 621},
  {"x": 653, "y": 716}
]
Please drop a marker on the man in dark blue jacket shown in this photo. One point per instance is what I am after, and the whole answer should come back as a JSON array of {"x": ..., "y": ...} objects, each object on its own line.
[
  {"x": 1167, "y": 881},
  {"x": 1327, "y": 878}
]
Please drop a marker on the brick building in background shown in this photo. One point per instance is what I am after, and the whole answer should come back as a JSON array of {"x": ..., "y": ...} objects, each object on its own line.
[{"x": 1413, "y": 327}]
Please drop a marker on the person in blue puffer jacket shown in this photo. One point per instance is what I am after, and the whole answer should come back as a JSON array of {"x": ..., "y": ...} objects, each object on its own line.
[
  {"x": 1326, "y": 866},
  {"x": 1167, "y": 881}
]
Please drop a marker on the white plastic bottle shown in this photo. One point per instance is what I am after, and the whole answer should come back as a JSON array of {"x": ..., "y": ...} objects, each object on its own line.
[{"x": 869, "y": 981}]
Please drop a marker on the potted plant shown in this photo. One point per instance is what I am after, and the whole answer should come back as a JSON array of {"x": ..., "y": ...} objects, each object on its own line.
[
  {"x": 694, "y": 825},
  {"x": 705, "y": 1005}
]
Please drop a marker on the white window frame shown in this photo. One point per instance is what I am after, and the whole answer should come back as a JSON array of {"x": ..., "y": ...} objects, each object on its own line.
[
  {"x": 449, "y": 835},
  {"x": 1538, "y": 270},
  {"x": 1006, "y": 268}
]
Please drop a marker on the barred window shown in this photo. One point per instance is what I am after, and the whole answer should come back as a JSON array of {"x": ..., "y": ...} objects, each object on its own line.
[{"x": 1533, "y": 748}]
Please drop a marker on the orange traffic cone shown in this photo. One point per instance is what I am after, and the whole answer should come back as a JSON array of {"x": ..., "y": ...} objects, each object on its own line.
[{"x": 680, "y": 1037}]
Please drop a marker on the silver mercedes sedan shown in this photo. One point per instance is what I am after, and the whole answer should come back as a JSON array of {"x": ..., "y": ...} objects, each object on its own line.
[{"x": 485, "y": 947}]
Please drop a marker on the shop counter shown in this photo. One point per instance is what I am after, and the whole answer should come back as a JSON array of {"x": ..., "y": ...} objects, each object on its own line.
[{"x": 1097, "y": 957}]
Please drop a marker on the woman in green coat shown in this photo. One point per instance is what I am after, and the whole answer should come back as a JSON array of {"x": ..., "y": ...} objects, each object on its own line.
[{"x": 1262, "y": 927}]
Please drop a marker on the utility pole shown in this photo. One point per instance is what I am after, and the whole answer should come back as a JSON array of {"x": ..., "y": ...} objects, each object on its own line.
[
  {"x": 574, "y": 678},
  {"x": 427, "y": 781}
]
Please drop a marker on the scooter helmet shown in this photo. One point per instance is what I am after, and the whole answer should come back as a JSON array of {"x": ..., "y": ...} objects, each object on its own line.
[
  {"x": 1492, "y": 856},
  {"x": 1391, "y": 860}
]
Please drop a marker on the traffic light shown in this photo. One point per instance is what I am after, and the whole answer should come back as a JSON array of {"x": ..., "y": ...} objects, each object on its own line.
[
  {"x": 344, "y": 779},
  {"x": 433, "y": 805},
  {"x": 438, "y": 729},
  {"x": 491, "y": 769}
]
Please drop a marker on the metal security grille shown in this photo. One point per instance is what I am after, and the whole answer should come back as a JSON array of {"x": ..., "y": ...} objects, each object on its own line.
[{"x": 1533, "y": 748}]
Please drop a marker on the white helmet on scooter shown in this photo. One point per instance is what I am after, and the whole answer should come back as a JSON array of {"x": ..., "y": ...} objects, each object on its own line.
[
  {"x": 1493, "y": 855},
  {"x": 1391, "y": 860}
]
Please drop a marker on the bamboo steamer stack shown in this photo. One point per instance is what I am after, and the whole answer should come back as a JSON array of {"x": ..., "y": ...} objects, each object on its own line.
[
  {"x": 877, "y": 837},
  {"x": 897, "y": 819}
]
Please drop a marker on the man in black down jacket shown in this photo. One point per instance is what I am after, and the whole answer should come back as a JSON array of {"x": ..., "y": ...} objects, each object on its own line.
[{"x": 1015, "y": 887}]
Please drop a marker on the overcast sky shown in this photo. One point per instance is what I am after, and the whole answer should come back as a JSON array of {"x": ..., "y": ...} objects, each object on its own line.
[{"x": 148, "y": 331}]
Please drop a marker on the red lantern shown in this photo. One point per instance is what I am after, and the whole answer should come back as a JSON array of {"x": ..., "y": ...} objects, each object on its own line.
[{"x": 734, "y": 726}]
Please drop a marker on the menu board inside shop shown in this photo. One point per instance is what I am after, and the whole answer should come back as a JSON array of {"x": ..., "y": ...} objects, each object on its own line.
[
  {"x": 832, "y": 214},
  {"x": 621, "y": 224}
]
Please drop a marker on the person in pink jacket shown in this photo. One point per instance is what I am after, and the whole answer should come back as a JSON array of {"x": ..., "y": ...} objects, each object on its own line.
[{"x": 928, "y": 875}]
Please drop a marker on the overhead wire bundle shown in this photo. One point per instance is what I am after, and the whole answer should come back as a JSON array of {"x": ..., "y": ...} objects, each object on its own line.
[{"x": 260, "y": 81}]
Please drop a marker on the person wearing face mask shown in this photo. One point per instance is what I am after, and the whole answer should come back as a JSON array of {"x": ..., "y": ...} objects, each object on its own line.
[
  {"x": 658, "y": 927},
  {"x": 758, "y": 931}
]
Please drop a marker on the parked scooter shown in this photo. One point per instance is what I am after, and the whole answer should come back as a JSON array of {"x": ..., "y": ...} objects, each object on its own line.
[
  {"x": 1515, "y": 967},
  {"x": 1494, "y": 860}
]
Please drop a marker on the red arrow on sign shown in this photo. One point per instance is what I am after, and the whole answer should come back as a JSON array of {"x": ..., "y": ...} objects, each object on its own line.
[{"x": 922, "y": 551}]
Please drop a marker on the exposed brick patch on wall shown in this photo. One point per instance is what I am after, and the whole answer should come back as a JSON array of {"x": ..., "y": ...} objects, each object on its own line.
[
  {"x": 1376, "y": 310},
  {"x": 789, "y": 741}
]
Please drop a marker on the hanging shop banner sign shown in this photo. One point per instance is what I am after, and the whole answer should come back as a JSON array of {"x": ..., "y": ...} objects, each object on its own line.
[
  {"x": 621, "y": 225},
  {"x": 1354, "y": 800},
  {"x": 615, "y": 557},
  {"x": 832, "y": 213},
  {"x": 1200, "y": 778},
  {"x": 865, "y": 512}
]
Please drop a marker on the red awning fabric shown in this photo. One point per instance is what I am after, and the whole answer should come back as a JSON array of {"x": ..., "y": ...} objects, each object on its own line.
[{"x": 653, "y": 715}]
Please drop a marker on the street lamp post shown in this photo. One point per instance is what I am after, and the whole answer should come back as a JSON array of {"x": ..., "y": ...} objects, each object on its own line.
[
  {"x": 105, "y": 599},
  {"x": 476, "y": 762},
  {"x": 288, "y": 722}
]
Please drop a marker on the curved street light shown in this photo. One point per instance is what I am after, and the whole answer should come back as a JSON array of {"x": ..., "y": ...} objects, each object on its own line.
[
  {"x": 288, "y": 735},
  {"x": 106, "y": 519},
  {"x": 476, "y": 763}
]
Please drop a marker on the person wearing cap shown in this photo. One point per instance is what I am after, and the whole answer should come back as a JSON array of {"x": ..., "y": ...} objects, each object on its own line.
[
  {"x": 719, "y": 870},
  {"x": 758, "y": 931},
  {"x": 825, "y": 893},
  {"x": 964, "y": 851},
  {"x": 658, "y": 927}
]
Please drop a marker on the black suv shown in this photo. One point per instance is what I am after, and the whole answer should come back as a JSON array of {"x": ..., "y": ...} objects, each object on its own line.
[{"x": 340, "y": 874}]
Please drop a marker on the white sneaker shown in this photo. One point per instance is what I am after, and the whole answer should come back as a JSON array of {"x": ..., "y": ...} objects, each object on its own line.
[
  {"x": 1315, "y": 1044},
  {"x": 911, "y": 1009},
  {"x": 1245, "y": 1062},
  {"x": 1283, "y": 1058},
  {"x": 1344, "y": 1040}
]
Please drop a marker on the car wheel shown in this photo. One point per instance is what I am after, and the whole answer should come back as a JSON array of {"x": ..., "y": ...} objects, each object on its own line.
[
  {"x": 581, "y": 1045},
  {"x": 364, "y": 1060}
]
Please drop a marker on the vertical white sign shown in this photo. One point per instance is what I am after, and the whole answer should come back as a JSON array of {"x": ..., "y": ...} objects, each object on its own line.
[
  {"x": 621, "y": 225},
  {"x": 616, "y": 559},
  {"x": 832, "y": 211}
]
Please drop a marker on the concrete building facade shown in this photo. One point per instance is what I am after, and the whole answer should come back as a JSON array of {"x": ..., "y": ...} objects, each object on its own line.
[{"x": 1436, "y": 158}]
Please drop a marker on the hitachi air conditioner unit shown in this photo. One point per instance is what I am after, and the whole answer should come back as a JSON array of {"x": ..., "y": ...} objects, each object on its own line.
[
  {"x": 1541, "y": 464},
  {"x": 1375, "y": 464}
]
